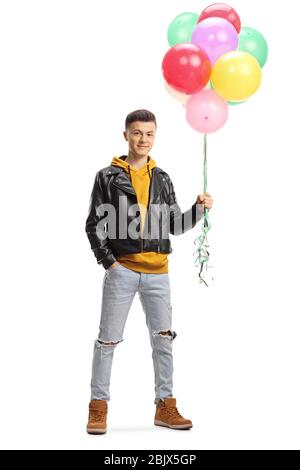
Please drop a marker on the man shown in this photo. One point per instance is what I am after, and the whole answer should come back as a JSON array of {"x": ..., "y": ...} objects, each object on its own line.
[{"x": 132, "y": 210}]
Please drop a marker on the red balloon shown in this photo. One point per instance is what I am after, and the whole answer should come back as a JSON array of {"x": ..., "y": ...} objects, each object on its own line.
[
  {"x": 186, "y": 68},
  {"x": 223, "y": 11}
]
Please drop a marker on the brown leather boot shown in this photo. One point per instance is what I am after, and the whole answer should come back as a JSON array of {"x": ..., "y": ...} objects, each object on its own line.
[
  {"x": 168, "y": 415},
  {"x": 97, "y": 417}
]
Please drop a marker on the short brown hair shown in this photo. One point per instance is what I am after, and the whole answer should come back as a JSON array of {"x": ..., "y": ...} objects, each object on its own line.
[{"x": 139, "y": 115}]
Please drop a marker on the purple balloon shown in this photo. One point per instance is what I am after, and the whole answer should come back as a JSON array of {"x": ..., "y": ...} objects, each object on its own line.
[{"x": 216, "y": 36}]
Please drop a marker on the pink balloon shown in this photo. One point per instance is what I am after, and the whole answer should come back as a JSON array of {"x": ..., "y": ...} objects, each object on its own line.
[
  {"x": 216, "y": 36},
  {"x": 206, "y": 112}
]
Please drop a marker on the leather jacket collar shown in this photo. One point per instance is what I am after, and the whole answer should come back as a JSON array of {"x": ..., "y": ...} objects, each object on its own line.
[{"x": 122, "y": 181}]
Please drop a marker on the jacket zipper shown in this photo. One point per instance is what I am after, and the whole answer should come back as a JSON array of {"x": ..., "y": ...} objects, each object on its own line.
[{"x": 146, "y": 215}]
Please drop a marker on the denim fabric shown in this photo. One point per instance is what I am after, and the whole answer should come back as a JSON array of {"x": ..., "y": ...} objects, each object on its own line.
[{"x": 120, "y": 285}]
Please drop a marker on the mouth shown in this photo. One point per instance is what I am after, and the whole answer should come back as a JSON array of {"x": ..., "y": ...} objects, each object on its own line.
[{"x": 143, "y": 146}]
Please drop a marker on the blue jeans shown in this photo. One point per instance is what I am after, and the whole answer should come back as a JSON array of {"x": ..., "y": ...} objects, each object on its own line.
[{"x": 120, "y": 285}]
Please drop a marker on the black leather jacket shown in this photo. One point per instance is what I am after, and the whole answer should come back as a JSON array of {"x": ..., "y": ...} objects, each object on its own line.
[{"x": 111, "y": 183}]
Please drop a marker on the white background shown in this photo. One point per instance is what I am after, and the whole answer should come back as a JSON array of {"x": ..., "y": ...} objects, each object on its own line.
[{"x": 70, "y": 73}]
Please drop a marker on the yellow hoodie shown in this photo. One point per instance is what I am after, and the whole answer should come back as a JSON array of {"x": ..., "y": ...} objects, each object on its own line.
[{"x": 146, "y": 261}]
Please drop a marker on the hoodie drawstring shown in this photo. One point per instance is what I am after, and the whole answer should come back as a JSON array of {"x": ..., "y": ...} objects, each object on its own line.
[{"x": 129, "y": 174}]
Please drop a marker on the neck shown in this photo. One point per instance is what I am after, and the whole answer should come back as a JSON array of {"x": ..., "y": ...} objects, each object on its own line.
[{"x": 135, "y": 160}]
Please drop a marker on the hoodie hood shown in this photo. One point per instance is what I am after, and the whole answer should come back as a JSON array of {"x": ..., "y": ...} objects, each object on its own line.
[{"x": 120, "y": 162}]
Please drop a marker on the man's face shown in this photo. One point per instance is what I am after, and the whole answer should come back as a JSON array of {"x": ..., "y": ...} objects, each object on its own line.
[{"x": 140, "y": 137}]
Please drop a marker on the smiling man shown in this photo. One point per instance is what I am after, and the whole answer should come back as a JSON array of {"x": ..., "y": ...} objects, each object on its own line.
[{"x": 134, "y": 193}]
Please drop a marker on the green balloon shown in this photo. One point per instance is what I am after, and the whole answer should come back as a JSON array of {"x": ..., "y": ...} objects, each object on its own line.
[
  {"x": 181, "y": 28},
  {"x": 234, "y": 103},
  {"x": 254, "y": 43},
  {"x": 230, "y": 103}
]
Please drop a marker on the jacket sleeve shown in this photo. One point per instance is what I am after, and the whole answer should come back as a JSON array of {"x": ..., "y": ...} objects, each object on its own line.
[
  {"x": 97, "y": 236},
  {"x": 182, "y": 222}
]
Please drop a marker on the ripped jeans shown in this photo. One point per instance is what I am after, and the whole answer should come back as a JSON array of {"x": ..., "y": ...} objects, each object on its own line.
[{"x": 120, "y": 285}]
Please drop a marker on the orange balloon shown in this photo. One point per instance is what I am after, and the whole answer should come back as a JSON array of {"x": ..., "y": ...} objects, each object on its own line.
[{"x": 181, "y": 97}]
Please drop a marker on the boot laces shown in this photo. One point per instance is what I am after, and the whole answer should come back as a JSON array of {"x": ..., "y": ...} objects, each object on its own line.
[
  {"x": 97, "y": 415},
  {"x": 172, "y": 411}
]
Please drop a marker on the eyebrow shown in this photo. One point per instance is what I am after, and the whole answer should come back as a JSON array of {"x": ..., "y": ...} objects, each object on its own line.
[{"x": 141, "y": 131}]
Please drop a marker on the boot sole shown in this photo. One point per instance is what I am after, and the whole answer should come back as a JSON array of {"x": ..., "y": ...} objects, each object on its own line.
[
  {"x": 173, "y": 426},
  {"x": 95, "y": 431}
]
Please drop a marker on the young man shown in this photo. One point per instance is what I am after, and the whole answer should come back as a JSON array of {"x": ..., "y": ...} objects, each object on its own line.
[{"x": 132, "y": 210}]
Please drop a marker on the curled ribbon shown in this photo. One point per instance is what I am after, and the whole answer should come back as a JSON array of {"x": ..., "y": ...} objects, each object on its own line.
[{"x": 202, "y": 254}]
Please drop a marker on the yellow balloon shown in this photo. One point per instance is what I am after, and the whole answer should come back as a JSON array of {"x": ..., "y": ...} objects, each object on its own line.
[{"x": 236, "y": 76}]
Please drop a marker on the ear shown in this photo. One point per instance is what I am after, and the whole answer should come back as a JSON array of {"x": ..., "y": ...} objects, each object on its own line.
[{"x": 125, "y": 135}]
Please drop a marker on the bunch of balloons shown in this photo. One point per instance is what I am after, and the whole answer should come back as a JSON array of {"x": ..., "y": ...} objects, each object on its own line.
[{"x": 212, "y": 63}]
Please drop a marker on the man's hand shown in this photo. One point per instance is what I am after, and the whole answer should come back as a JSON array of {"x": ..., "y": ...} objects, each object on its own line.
[{"x": 205, "y": 199}]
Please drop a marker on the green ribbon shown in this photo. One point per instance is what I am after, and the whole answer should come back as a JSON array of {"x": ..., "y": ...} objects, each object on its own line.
[{"x": 202, "y": 254}]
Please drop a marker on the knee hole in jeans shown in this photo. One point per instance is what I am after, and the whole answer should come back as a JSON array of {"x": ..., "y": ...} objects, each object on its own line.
[
  {"x": 173, "y": 334},
  {"x": 109, "y": 343}
]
